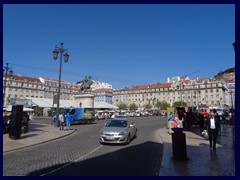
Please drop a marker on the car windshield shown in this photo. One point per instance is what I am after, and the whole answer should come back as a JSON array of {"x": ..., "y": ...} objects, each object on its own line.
[
  {"x": 117, "y": 123},
  {"x": 65, "y": 111},
  {"x": 219, "y": 110}
]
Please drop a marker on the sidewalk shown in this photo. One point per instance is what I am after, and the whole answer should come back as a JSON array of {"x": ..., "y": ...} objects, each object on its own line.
[
  {"x": 201, "y": 160},
  {"x": 37, "y": 134}
]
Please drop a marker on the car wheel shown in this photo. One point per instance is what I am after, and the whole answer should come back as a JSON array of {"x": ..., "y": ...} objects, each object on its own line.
[
  {"x": 128, "y": 139},
  {"x": 135, "y": 135}
]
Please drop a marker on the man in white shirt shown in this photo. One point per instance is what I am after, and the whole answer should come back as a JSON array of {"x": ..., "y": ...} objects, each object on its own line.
[
  {"x": 62, "y": 121},
  {"x": 213, "y": 126}
]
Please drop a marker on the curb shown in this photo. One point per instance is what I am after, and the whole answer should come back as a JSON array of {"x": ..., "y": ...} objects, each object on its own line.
[{"x": 166, "y": 156}]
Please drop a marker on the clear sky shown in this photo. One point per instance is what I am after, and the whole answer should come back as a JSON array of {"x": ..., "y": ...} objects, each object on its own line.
[{"x": 124, "y": 45}]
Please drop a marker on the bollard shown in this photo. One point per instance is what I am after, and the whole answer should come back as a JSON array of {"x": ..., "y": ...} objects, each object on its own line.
[
  {"x": 16, "y": 122},
  {"x": 179, "y": 144}
]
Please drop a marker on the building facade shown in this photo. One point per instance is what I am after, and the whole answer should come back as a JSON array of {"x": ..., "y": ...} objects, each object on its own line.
[
  {"x": 103, "y": 95},
  {"x": 22, "y": 86},
  {"x": 196, "y": 92}
]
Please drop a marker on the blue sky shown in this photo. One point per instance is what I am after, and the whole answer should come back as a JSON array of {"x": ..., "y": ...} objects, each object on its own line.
[{"x": 125, "y": 45}]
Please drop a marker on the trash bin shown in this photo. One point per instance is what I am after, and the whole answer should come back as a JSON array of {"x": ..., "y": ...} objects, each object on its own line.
[
  {"x": 16, "y": 122},
  {"x": 179, "y": 144}
]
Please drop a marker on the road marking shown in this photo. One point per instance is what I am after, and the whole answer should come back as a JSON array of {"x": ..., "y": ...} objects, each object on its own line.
[{"x": 71, "y": 162}]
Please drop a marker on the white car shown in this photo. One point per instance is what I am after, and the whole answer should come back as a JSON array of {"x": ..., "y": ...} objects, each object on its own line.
[{"x": 119, "y": 130}]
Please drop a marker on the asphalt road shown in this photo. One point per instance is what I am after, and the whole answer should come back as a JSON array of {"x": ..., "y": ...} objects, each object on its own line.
[{"x": 81, "y": 154}]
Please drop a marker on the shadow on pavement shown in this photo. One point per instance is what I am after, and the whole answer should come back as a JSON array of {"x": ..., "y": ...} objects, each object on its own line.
[{"x": 139, "y": 160}]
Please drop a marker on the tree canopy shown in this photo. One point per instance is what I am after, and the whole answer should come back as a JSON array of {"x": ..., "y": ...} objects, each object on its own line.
[{"x": 179, "y": 103}]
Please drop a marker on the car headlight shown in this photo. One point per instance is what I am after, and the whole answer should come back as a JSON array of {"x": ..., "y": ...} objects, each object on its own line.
[{"x": 122, "y": 133}]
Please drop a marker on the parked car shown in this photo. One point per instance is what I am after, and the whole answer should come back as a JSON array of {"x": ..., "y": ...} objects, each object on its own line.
[{"x": 120, "y": 130}]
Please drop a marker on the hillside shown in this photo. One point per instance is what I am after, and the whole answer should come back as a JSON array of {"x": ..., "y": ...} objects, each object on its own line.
[{"x": 226, "y": 71}]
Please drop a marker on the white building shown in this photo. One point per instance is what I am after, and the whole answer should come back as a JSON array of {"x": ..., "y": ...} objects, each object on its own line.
[{"x": 196, "y": 92}]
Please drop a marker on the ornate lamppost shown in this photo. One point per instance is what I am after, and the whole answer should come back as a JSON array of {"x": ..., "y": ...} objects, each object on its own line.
[
  {"x": 8, "y": 71},
  {"x": 55, "y": 57}
]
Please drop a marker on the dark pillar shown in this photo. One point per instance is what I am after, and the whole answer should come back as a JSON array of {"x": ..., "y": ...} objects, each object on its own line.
[
  {"x": 16, "y": 122},
  {"x": 179, "y": 144}
]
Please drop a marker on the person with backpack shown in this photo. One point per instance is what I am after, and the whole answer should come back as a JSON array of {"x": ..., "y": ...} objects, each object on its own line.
[{"x": 171, "y": 122}]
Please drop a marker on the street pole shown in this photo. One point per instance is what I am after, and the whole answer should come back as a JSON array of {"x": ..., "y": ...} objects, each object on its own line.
[
  {"x": 59, "y": 78},
  {"x": 55, "y": 56},
  {"x": 231, "y": 98},
  {"x": 6, "y": 69}
]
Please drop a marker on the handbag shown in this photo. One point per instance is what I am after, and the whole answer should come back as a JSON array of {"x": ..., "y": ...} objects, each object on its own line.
[{"x": 205, "y": 134}]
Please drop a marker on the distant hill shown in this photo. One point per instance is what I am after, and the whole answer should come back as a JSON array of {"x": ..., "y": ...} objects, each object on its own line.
[{"x": 226, "y": 71}]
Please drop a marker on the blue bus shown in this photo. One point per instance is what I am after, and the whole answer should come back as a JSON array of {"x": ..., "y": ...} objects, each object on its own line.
[{"x": 79, "y": 115}]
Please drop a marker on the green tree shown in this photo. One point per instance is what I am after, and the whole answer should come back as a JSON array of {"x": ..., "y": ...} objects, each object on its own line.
[
  {"x": 122, "y": 106},
  {"x": 162, "y": 105},
  {"x": 147, "y": 106},
  {"x": 179, "y": 103},
  {"x": 158, "y": 104},
  {"x": 133, "y": 107}
]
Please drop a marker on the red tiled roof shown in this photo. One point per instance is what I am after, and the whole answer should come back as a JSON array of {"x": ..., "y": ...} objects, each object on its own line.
[
  {"x": 144, "y": 87},
  {"x": 76, "y": 86},
  {"x": 55, "y": 80},
  {"x": 23, "y": 78}
]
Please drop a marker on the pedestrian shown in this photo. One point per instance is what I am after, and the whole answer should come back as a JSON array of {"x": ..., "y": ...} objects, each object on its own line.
[
  {"x": 189, "y": 119},
  {"x": 205, "y": 117},
  {"x": 62, "y": 121},
  {"x": 182, "y": 115},
  {"x": 171, "y": 120},
  {"x": 53, "y": 121},
  {"x": 69, "y": 118},
  {"x": 232, "y": 123},
  {"x": 213, "y": 127},
  {"x": 201, "y": 119},
  {"x": 176, "y": 122}
]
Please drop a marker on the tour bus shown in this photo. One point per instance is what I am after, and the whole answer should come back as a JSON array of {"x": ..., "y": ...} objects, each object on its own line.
[{"x": 79, "y": 115}]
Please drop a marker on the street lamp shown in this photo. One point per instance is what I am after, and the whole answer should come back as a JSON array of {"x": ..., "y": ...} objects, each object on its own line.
[
  {"x": 8, "y": 71},
  {"x": 66, "y": 57}
]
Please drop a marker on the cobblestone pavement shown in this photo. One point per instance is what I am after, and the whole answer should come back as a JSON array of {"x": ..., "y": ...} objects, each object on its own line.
[
  {"x": 201, "y": 160},
  {"x": 83, "y": 151},
  {"x": 38, "y": 133}
]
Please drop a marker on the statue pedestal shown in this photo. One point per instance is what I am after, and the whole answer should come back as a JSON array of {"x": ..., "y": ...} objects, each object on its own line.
[{"x": 84, "y": 100}]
